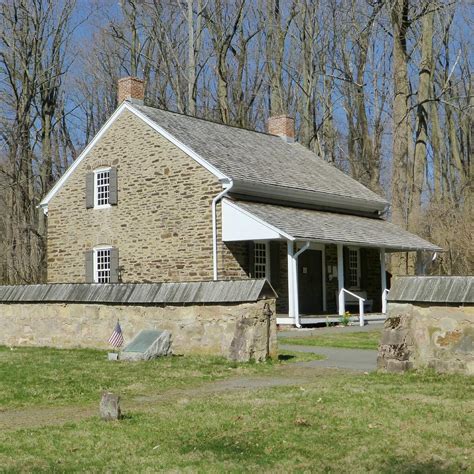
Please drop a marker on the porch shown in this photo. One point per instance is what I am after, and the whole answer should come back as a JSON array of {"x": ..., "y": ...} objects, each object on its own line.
[
  {"x": 312, "y": 319},
  {"x": 320, "y": 263},
  {"x": 323, "y": 291}
]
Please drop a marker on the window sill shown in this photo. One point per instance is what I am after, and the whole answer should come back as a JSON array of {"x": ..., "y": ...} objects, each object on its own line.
[{"x": 103, "y": 206}]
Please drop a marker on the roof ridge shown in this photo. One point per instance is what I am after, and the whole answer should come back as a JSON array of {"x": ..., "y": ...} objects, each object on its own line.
[
  {"x": 210, "y": 121},
  {"x": 252, "y": 156}
]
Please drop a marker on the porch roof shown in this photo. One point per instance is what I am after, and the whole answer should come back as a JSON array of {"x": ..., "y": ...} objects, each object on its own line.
[{"x": 330, "y": 227}]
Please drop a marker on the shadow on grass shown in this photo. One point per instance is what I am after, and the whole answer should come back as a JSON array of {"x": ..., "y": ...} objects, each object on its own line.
[
  {"x": 228, "y": 448},
  {"x": 414, "y": 466},
  {"x": 286, "y": 357}
]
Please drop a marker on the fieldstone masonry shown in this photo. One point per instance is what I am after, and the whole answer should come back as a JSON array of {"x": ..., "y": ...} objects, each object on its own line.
[
  {"x": 428, "y": 335},
  {"x": 195, "y": 329},
  {"x": 162, "y": 223}
]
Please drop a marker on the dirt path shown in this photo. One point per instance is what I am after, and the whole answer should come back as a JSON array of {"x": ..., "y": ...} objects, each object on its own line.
[
  {"x": 53, "y": 416},
  {"x": 292, "y": 374}
]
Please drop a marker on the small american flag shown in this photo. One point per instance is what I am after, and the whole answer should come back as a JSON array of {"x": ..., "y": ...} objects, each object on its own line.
[{"x": 116, "y": 339}]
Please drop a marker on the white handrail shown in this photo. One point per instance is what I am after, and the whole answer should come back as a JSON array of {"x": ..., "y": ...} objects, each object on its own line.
[
  {"x": 384, "y": 300},
  {"x": 361, "y": 304}
]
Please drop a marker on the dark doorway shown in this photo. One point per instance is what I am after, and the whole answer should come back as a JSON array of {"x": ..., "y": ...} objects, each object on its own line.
[{"x": 310, "y": 282}]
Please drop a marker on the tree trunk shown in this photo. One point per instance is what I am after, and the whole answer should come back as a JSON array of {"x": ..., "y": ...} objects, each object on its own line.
[
  {"x": 422, "y": 117},
  {"x": 400, "y": 120}
]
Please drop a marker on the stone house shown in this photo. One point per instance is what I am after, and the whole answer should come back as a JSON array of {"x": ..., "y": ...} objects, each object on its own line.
[{"x": 159, "y": 196}]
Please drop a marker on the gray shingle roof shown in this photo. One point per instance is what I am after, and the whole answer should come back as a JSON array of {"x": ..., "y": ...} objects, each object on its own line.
[
  {"x": 434, "y": 289},
  {"x": 260, "y": 158},
  {"x": 307, "y": 224},
  {"x": 140, "y": 293}
]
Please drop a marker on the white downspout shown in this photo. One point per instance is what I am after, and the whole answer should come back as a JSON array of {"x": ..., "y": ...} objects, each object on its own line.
[
  {"x": 301, "y": 250},
  {"x": 295, "y": 284},
  {"x": 214, "y": 226}
]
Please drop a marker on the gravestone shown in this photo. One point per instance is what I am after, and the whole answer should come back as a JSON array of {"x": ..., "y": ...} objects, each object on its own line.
[
  {"x": 110, "y": 407},
  {"x": 148, "y": 344}
]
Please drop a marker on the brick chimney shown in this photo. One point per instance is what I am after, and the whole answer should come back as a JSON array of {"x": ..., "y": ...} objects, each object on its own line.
[
  {"x": 283, "y": 126},
  {"x": 131, "y": 88}
]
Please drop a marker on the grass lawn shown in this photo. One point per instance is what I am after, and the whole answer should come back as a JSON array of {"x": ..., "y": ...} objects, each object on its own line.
[
  {"x": 334, "y": 421},
  {"x": 47, "y": 377},
  {"x": 348, "y": 340}
]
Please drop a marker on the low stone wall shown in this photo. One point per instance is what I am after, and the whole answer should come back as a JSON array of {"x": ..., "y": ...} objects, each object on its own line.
[
  {"x": 240, "y": 331},
  {"x": 429, "y": 334},
  {"x": 234, "y": 319},
  {"x": 438, "y": 337}
]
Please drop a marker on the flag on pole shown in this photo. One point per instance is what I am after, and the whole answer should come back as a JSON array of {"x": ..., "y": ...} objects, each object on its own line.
[{"x": 116, "y": 339}]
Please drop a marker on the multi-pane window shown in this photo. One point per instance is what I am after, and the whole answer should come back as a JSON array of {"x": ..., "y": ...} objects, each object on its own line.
[
  {"x": 102, "y": 184},
  {"x": 102, "y": 266},
  {"x": 354, "y": 270},
  {"x": 260, "y": 259}
]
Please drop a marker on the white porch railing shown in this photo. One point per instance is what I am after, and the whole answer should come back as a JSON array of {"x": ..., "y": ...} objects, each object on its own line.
[
  {"x": 384, "y": 300},
  {"x": 342, "y": 304}
]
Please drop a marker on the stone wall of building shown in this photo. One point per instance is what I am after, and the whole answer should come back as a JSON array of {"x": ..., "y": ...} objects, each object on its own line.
[
  {"x": 428, "y": 335},
  {"x": 162, "y": 223},
  {"x": 242, "y": 332}
]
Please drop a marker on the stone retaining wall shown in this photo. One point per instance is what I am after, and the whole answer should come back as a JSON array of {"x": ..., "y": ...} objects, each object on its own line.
[{"x": 242, "y": 332}]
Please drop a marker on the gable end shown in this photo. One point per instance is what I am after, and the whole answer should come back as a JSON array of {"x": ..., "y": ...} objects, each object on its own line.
[{"x": 126, "y": 106}]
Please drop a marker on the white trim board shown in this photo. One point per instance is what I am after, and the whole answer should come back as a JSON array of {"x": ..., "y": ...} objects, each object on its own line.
[
  {"x": 52, "y": 192},
  {"x": 126, "y": 106}
]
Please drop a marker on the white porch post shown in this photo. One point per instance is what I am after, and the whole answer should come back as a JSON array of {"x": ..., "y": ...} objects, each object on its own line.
[
  {"x": 296, "y": 302},
  {"x": 340, "y": 279},
  {"x": 295, "y": 283},
  {"x": 383, "y": 280},
  {"x": 291, "y": 304}
]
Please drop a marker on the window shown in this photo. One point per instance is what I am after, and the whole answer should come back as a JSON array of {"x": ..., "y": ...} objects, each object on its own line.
[
  {"x": 102, "y": 265},
  {"x": 261, "y": 259},
  {"x": 101, "y": 187},
  {"x": 354, "y": 268}
]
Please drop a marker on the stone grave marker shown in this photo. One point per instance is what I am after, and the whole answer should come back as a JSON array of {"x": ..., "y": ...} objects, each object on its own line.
[{"x": 110, "y": 407}]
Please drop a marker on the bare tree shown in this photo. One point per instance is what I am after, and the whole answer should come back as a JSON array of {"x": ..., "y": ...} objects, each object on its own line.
[
  {"x": 383, "y": 90},
  {"x": 34, "y": 38}
]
